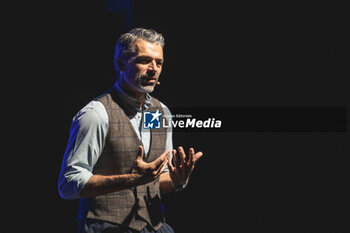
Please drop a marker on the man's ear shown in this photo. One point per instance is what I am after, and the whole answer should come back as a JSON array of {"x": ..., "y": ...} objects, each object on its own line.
[{"x": 121, "y": 64}]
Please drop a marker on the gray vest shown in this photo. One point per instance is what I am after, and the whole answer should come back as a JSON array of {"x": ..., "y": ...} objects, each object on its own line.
[{"x": 138, "y": 206}]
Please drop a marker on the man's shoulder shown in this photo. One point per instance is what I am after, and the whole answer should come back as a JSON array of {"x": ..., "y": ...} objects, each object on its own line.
[
  {"x": 91, "y": 114},
  {"x": 105, "y": 97}
]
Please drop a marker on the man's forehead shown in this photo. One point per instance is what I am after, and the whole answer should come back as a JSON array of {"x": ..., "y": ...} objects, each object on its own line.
[{"x": 145, "y": 47}]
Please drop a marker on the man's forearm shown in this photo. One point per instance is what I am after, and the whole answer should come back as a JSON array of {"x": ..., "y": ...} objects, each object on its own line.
[
  {"x": 100, "y": 184},
  {"x": 142, "y": 173}
]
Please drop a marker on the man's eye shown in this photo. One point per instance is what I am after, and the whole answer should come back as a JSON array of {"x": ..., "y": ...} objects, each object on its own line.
[{"x": 143, "y": 60}]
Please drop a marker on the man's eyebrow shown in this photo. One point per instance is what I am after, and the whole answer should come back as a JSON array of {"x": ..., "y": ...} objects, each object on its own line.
[
  {"x": 144, "y": 56},
  {"x": 160, "y": 59},
  {"x": 148, "y": 57}
]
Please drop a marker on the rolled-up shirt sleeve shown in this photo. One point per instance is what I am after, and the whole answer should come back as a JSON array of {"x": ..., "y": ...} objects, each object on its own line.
[{"x": 86, "y": 141}]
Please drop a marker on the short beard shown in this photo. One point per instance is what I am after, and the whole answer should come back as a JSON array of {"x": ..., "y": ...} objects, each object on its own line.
[{"x": 144, "y": 88}]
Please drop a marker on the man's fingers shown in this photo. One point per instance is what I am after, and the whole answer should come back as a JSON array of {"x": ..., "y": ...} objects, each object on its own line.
[
  {"x": 176, "y": 161},
  {"x": 193, "y": 158},
  {"x": 182, "y": 156},
  {"x": 190, "y": 158},
  {"x": 197, "y": 156},
  {"x": 160, "y": 160},
  {"x": 161, "y": 168},
  {"x": 170, "y": 165}
]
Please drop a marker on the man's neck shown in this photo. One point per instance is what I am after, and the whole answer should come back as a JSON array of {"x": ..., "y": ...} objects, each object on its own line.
[{"x": 139, "y": 96}]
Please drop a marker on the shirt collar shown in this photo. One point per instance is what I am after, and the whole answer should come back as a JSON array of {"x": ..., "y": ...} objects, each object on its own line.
[{"x": 131, "y": 104}]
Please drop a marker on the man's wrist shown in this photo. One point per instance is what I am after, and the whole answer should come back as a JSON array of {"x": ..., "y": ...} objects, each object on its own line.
[{"x": 179, "y": 187}]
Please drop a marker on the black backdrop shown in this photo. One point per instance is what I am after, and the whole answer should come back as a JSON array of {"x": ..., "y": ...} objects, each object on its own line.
[{"x": 254, "y": 54}]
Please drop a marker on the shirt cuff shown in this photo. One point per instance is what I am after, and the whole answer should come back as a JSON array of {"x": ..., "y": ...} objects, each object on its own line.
[{"x": 72, "y": 184}]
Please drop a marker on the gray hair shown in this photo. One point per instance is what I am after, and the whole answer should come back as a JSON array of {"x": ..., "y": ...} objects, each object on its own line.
[{"x": 124, "y": 48}]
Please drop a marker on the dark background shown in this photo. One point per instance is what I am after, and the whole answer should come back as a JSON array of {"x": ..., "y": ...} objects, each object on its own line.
[{"x": 252, "y": 54}]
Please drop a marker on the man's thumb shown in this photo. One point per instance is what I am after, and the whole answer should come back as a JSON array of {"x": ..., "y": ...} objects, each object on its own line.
[{"x": 141, "y": 152}]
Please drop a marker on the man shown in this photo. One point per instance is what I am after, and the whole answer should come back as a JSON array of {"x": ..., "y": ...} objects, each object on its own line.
[{"x": 116, "y": 167}]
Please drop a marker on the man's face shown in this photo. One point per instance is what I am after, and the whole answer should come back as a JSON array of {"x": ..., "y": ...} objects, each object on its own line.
[{"x": 142, "y": 70}]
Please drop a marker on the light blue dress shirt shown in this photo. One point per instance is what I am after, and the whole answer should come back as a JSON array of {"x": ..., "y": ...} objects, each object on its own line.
[{"x": 87, "y": 138}]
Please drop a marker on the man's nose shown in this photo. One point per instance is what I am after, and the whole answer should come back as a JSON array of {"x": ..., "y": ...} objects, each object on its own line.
[
  {"x": 152, "y": 65},
  {"x": 151, "y": 72},
  {"x": 152, "y": 68}
]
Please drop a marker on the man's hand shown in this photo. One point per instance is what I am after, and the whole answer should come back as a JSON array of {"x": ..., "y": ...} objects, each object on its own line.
[
  {"x": 183, "y": 167},
  {"x": 147, "y": 172},
  {"x": 142, "y": 173}
]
